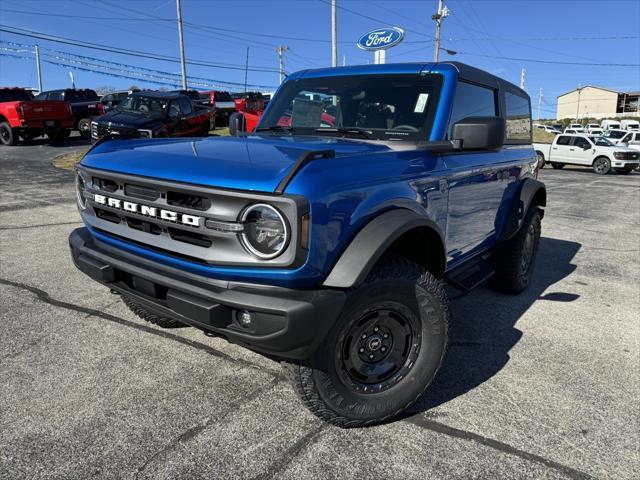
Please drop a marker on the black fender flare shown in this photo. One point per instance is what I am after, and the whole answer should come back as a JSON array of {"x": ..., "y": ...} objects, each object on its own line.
[
  {"x": 529, "y": 189},
  {"x": 371, "y": 242}
]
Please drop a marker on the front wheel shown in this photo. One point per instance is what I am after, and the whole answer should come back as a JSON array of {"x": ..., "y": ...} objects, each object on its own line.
[
  {"x": 384, "y": 351},
  {"x": 84, "y": 126},
  {"x": 540, "y": 157},
  {"x": 601, "y": 165}
]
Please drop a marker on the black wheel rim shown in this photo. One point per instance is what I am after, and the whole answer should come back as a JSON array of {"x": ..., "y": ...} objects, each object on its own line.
[
  {"x": 528, "y": 250},
  {"x": 601, "y": 166},
  {"x": 4, "y": 133},
  {"x": 380, "y": 348}
]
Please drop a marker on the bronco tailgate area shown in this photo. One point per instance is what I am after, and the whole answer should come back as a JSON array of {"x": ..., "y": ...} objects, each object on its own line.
[{"x": 533, "y": 386}]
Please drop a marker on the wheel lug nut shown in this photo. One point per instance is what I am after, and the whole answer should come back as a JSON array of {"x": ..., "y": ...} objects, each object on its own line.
[
  {"x": 371, "y": 356},
  {"x": 361, "y": 350},
  {"x": 364, "y": 335},
  {"x": 376, "y": 329},
  {"x": 383, "y": 349},
  {"x": 386, "y": 335}
]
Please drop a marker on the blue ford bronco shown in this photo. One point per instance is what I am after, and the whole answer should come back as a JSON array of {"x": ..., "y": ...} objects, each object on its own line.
[{"x": 324, "y": 239}]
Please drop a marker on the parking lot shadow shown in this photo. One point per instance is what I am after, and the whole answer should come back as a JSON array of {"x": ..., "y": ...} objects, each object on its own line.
[{"x": 483, "y": 326}]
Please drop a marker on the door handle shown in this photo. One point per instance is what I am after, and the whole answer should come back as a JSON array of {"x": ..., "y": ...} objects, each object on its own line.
[{"x": 572, "y": 149}]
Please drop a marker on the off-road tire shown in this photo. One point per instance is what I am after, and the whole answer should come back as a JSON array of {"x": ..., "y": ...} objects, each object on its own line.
[
  {"x": 557, "y": 166},
  {"x": 508, "y": 259},
  {"x": 394, "y": 283},
  {"x": 7, "y": 135},
  {"x": 144, "y": 314},
  {"x": 602, "y": 165}
]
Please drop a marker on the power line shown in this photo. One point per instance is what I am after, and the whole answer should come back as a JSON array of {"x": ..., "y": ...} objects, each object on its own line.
[
  {"x": 552, "y": 62},
  {"x": 124, "y": 51}
]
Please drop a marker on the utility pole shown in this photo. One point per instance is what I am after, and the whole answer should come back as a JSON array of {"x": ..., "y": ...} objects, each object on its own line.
[
  {"x": 578, "y": 109},
  {"x": 281, "y": 49},
  {"x": 523, "y": 74},
  {"x": 182, "y": 62},
  {"x": 540, "y": 95},
  {"x": 443, "y": 12},
  {"x": 39, "y": 68},
  {"x": 334, "y": 34},
  {"x": 246, "y": 70}
]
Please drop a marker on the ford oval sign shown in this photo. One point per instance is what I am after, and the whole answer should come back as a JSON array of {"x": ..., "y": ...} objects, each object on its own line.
[{"x": 380, "y": 38}]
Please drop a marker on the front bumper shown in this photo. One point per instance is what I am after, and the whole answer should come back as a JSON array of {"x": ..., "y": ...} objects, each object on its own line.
[
  {"x": 287, "y": 323},
  {"x": 626, "y": 164}
]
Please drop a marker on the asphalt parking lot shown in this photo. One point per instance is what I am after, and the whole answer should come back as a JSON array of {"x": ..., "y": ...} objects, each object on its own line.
[{"x": 541, "y": 385}]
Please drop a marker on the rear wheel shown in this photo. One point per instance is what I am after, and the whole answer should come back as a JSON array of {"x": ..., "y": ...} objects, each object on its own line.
[
  {"x": 384, "y": 351},
  {"x": 557, "y": 165},
  {"x": 514, "y": 260},
  {"x": 601, "y": 165},
  {"x": 7, "y": 135},
  {"x": 144, "y": 314}
]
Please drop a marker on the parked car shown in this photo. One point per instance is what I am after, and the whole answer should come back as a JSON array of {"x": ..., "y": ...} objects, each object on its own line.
[
  {"x": 631, "y": 140},
  {"x": 153, "y": 114},
  {"x": 583, "y": 150},
  {"x": 633, "y": 125},
  {"x": 113, "y": 99},
  {"x": 547, "y": 128},
  {"x": 592, "y": 126},
  {"x": 614, "y": 135},
  {"x": 578, "y": 127},
  {"x": 558, "y": 126},
  {"x": 595, "y": 131},
  {"x": 610, "y": 124},
  {"x": 572, "y": 131},
  {"x": 223, "y": 104},
  {"x": 249, "y": 106},
  {"x": 85, "y": 104},
  {"x": 22, "y": 117},
  {"x": 327, "y": 248}
]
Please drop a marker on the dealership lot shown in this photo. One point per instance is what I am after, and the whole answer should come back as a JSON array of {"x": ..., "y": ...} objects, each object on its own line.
[{"x": 541, "y": 385}]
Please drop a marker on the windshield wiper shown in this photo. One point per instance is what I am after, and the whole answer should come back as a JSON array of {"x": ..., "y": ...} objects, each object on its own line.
[
  {"x": 358, "y": 131},
  {"x": 275, "y": 128}
]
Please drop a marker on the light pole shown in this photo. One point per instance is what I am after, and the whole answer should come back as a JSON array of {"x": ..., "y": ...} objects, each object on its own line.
[
  {"x": 334, "y": 35},
  {"x": 39, "y": 69},
  {"x": 182, "y": 62},
  {"x": 281, "y": 49}
]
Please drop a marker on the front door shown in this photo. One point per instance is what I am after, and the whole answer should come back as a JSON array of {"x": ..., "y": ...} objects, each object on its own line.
[{"x": 561, "y": 149}]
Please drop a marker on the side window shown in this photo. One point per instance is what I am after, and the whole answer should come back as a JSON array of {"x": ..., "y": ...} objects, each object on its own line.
[
  {"x": 107, "y": 98},
  {"x": 518, "y": 117},
  {"x": 185, "y": 106},
  {"x": 472, "y": 101},
  {"x": 581, "y": 142},
  {"x": 174, "y": 110},
  {"x": 563, "y": 140}
]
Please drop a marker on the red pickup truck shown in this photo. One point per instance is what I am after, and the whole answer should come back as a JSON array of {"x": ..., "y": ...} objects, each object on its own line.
[{"x": 22, "y": 117}]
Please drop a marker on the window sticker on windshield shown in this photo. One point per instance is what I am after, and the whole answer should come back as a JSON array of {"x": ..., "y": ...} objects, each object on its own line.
[{"x": 421, "y": 103}]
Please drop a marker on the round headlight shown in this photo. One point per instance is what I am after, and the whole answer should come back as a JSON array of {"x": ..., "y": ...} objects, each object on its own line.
[
  {"x": 82, "y": 201},
  {"x": 265, "y": 233}
]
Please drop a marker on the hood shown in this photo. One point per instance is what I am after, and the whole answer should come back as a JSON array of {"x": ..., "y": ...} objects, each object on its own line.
[
  {"x": 126, "y": 120},
  {"x": 253, "y": 162}
]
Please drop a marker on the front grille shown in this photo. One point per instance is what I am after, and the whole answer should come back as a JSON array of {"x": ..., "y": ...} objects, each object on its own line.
[
  {"x": 107, "y": 215},
  {"x": 138, "y": 191},
  {"x": 105, "y": 184},
  {"x": 188, "y": 200},
  {"x": 117, "y": 132},
  {"x": 190, "y": 237}
]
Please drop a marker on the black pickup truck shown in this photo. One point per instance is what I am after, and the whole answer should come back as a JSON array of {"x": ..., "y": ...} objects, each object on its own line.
[
  {"x": 153, "y": 114},
  {"x": 85, "y": 104}
]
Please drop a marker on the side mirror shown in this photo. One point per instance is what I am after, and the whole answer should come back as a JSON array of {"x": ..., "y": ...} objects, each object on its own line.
[{"x": 480, "y": 133}]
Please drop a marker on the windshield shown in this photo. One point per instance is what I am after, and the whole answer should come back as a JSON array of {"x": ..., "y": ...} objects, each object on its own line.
[
  {"x": 389, "y": 107},
  {"x": 601, "y": 141},
  {"x": 151, "y": 107},
  {"x": 614, "y": 134}
]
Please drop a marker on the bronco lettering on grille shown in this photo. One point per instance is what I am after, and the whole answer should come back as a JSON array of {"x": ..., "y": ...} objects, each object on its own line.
[{"x": 168, "y": 215}]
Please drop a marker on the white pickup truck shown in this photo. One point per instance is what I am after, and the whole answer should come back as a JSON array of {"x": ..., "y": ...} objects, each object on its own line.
[{"x": 596, "y": 152}]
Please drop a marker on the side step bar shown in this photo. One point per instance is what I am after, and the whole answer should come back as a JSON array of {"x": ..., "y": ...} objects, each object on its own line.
[{"x": 468, "y": 277}]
